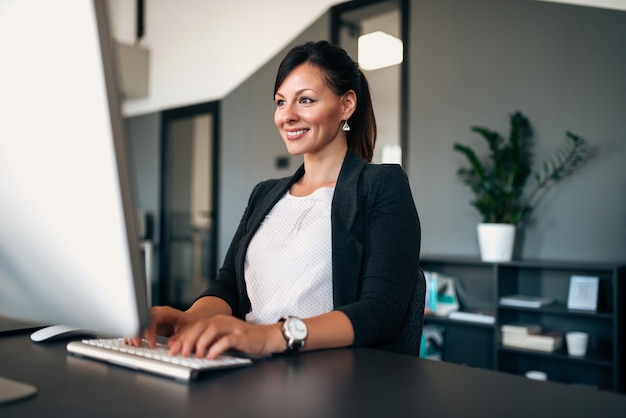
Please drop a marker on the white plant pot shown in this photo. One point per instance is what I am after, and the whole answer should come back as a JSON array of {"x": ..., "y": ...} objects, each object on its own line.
[{"x": 496, "y": 242}]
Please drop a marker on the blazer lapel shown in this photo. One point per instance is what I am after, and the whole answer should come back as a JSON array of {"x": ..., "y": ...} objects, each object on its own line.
[
  {"x": 347, "y": 251},
  {"x": 345, "y": 201}
]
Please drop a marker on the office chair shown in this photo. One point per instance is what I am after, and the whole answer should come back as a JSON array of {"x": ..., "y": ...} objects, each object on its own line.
[{"x": 410, "y": 338}]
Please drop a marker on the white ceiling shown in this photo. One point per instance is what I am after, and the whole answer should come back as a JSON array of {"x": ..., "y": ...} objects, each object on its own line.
[
  {"x": 607, "y": 4},
  {"x": 200, "y": 50}
]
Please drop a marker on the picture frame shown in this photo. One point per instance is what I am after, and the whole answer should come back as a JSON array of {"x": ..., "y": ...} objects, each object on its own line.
[{"x": 583, "y": 293}]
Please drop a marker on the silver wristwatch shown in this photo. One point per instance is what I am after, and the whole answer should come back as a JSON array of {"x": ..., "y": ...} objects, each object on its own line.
[{"x": 295, "y": 333}]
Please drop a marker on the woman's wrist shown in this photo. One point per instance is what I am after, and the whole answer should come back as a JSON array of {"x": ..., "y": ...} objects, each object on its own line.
[{"x": 275, "y": 340}]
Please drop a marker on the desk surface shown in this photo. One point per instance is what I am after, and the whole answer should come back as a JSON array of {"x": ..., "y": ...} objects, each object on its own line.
[{"x": 323, "y": 384}]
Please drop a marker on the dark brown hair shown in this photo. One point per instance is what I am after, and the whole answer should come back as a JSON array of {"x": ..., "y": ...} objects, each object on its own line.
[{"x": 342, "y": 74}]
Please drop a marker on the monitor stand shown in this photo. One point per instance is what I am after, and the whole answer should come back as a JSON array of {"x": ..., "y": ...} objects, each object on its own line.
[{"x": 12, "y": 390}]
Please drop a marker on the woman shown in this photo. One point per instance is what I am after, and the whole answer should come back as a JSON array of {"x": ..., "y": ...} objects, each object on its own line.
[{"x": 325, "y": 258}]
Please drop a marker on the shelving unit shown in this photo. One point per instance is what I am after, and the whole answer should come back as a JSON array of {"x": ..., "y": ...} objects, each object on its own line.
[{"x": 479, "y": 345}]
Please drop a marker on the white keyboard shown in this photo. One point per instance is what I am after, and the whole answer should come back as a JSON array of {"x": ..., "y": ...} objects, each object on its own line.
[{"x": 155, "y": 360}]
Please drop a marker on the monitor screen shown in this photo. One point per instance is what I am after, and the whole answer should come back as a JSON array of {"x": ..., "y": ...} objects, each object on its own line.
[{"x": 69, "y": 251}]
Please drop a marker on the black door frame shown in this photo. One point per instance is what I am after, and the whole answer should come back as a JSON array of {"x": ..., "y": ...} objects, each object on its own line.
[{"x": 167, "y": 117}]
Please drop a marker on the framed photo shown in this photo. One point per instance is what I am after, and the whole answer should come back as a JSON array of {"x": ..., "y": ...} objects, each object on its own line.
[{"x": 583, "y": 293}]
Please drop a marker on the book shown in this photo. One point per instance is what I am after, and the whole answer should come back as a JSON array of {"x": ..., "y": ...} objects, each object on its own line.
[
  {"x": 521, "y": 328},
  {"x": 431, "y": 292},
  {"x": 513, "y": 340},
  {"x": 441, "y": 298},
  {"x": 544, "y": 341},
  {"x": 525, "y": 301},
  {"x": 432, "y": 342},
  {"x": 483, "y": 317}
]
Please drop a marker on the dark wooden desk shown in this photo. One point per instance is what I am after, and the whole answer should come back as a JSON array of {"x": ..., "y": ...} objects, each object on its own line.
[{"x": 324, "y": 384}]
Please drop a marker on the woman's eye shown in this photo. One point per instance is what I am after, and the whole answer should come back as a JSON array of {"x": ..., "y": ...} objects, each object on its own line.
[
  {"x": 306, "y": 100},
  {"x": 280, "y": 102}
]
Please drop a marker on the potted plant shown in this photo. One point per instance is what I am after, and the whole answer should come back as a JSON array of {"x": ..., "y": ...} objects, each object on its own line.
[{"x": 499, "y": 181}]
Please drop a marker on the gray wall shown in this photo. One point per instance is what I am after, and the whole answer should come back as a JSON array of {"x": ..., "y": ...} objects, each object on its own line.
[{"x": 474, "y": 62}]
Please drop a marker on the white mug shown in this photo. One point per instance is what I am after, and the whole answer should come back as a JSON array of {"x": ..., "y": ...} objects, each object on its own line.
[{"x": 577, "y": 343}]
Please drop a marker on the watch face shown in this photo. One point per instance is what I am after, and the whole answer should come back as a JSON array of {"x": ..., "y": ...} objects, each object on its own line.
[{"x": 296, "y": 328}]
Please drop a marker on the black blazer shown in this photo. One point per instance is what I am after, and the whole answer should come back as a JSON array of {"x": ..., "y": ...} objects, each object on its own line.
[{"x": 375, "y": 247}]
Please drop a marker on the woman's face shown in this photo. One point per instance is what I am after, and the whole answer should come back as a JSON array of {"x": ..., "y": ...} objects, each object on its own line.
[{"x": 309, "y": 114}]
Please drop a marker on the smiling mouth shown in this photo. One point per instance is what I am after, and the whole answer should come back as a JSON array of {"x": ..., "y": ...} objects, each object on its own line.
[{"x": 295, "y": 134}]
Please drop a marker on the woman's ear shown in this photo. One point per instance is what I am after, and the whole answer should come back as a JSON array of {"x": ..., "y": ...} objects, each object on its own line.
[{"x": 349, "y": 104}]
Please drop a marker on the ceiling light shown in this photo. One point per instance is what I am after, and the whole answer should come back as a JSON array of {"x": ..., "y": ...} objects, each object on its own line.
[{"x": 378, "y": 50}]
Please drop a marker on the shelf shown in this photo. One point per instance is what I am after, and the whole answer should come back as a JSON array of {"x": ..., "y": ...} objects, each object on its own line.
[
  {"x": 535, "y": 264},
  {"x": 561, "y": 354},
  {"x": 479, "y": 344},
  {"x": 560, "y": 309},
  {"x": 442, "y": 320}
]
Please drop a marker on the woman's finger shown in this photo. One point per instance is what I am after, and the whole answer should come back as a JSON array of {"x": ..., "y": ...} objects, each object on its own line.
[{"x": 185, "y": 341}]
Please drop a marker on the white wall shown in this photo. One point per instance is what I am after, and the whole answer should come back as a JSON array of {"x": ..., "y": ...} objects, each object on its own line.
[{"x": 200, "y": 50}]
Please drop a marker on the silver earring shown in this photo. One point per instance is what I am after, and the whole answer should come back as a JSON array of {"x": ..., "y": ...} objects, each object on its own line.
[{"x": 345, "y": 127}]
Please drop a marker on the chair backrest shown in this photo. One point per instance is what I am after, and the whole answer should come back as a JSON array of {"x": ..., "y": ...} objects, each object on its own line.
[{"x": 410, "y": 337}]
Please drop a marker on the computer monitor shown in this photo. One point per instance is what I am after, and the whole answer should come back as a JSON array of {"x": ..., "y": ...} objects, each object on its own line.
[{"x": 69, "y": 251}]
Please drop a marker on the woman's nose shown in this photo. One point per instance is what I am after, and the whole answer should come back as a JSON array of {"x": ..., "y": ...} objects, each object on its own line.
[{"x": 288, "y": 113}]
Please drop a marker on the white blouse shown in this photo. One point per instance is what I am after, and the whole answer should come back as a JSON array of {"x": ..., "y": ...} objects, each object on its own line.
[{"x": 288, "y": 266}]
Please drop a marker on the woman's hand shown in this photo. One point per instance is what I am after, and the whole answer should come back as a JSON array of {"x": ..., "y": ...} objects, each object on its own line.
[
  {"x": 213, "y": 336},
  {"x": 164, "y": 321},
  {"x": 167, "y": 321}
]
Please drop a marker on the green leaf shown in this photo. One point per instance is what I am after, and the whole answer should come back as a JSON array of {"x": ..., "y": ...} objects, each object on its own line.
[{"x": 498, "y": 181}]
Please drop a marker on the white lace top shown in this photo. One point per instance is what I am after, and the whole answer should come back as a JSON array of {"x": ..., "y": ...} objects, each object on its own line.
[{"x": 288, "y": 266}]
